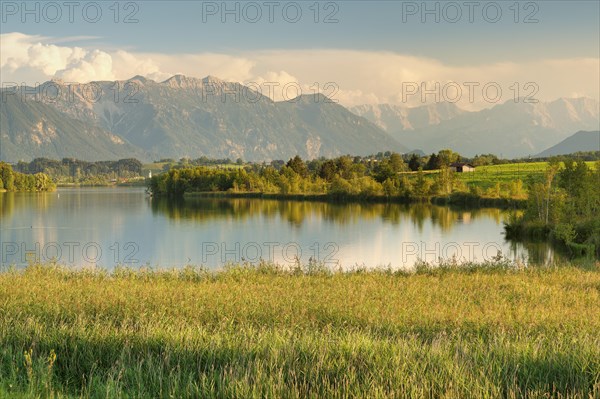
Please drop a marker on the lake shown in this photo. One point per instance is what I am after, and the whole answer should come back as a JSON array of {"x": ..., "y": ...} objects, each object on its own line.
[{"x": 111, "y": 226}]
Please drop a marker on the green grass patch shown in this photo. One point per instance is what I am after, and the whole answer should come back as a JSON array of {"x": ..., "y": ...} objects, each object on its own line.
[
  {"x": 486, "y": 177},
  {"x": 491, "y": 331},
  {"x": 159, "y": 167}
]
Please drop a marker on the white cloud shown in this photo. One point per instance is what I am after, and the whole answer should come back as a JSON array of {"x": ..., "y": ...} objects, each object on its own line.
[
  {"x": 360, "y": 76},
  {"x": 279, "y": 86},
  {"x": 30, "y": 59},
  {"x": 127, "y": 65},
  {"x": 93, "y": 65}
]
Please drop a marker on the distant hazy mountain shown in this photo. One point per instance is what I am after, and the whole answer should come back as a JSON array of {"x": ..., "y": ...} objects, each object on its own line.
[
  {"x": 398, "y": 118},
  {"x": 188, "y": 117},
  {"x": 510, "y": 129},
  {"x": 30, "y": 129},
  {"x": 580, "y": 141}
]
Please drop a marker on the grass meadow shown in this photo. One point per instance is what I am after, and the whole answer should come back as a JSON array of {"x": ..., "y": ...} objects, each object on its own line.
[
  {"x": 479, "y": 331},
  {"x": 159, "y": 167},
  {"x": 486, "y": 177}
]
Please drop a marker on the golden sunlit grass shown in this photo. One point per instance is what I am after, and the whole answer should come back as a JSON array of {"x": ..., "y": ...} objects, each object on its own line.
[
  {"x": 474, "y": 332},
  {"x": 489, "y": 175}
]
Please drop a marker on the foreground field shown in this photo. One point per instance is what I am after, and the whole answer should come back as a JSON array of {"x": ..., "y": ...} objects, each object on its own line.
[{"x": 483, "y": 332}]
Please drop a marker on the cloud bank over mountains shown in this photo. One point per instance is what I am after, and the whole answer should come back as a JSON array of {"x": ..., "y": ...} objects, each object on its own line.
[{"x": 354, "y": 76}]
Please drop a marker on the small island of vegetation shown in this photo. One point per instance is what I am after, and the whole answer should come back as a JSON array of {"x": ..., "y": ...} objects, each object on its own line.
[{"x": 15, "y": 181}]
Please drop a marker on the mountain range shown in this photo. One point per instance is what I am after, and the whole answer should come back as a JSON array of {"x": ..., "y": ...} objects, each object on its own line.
[
  {"x": 579, "y": 142},
  {"x": 190, "y": 117},
  {"x": 512, "y": 129},
  {"x": 33, "y": 129},
  {"x": 180, "y": 117}
]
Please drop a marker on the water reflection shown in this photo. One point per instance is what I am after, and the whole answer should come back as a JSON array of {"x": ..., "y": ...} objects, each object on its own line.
[
  {"x": 108, "y": 226},
  {"x": 10, "y": 201},
  {"x": 7, "y": 204},
  {"x": 297, "y": 212},
  {"x": 422, "y": 231},
  {"x": 538, "y": 252}
]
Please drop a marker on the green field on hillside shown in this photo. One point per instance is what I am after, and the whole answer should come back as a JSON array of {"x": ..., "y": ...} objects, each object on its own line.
[
  {"x": 158, "y": 167},
  {"x": 489, "y": 331},
  {"x": 487, "y": 176}
]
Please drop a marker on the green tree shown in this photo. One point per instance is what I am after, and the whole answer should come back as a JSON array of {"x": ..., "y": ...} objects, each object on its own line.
[
  {"x": 433, "y": 163},
  {"x": 447, "y": 157},
  {"x": 542, "y": 192},
  {"x": 383, "y": 171},
  {"x": 298, "y": 166},
  {"x": 344, "y": 166},
  {"x": 43, "y": 182},
  {"x": 341, "y": 187},
  {"x": 414, "y": 163},
  {"x": 7, "y": 176},
  {"x": 444, "y": 181},
  {"x": 389, "y": 188},
  {"x": 397, "y": 162},
  {"x": 421, "y": 186},
  {"x": 328, "y": 170},
  {"x": 358, "y": 170}
]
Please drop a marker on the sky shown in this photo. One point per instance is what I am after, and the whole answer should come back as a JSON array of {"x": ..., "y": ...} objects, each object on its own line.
[{"x": 474, "y": 53}]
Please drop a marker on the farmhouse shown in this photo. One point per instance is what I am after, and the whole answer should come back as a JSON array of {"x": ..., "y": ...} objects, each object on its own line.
[{"x": 460, "y": 167}]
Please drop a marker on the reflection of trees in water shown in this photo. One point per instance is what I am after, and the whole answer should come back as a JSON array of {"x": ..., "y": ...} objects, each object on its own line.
[
  {"x": 71, "y": 199},
  {"x": 446, "y": 217},
  {"x": 538, "y": 252},
  {"x": 296, "y": 212},
  {"x": 9, "y": 202}
]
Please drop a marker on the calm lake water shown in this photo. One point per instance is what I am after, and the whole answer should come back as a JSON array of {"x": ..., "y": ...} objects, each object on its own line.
[{"x": 110, "y": 226}]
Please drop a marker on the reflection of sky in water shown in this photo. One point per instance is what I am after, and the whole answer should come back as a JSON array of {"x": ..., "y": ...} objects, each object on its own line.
[{"x": 121, "y": 225}]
